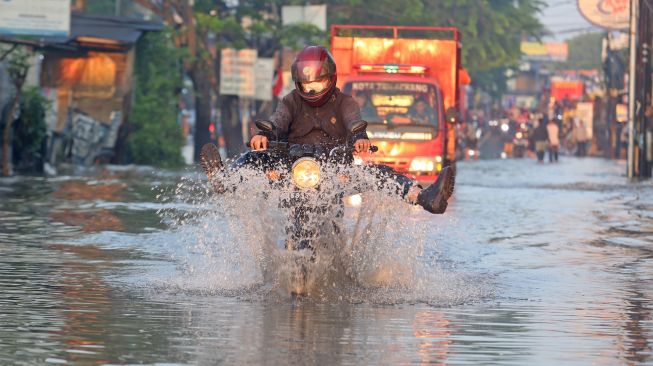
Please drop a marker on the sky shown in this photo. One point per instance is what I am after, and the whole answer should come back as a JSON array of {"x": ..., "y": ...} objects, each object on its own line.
[{"x": 563, "y": 18}]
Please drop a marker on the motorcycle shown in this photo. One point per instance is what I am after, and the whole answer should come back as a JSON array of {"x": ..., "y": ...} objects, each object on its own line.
[
  {"x": 520, "y": 141},
  {"x": 315, "y": 197}
]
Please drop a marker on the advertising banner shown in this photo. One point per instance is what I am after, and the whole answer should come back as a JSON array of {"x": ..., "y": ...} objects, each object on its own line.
[
  {"x": 622, "y": 113},
  {"x": 312, "y": 14},
  {"x": 608, "y": 14},
  {"x": 237, "y": 72},
  {"x": 545, "y": 51},
  {"x": 572, "y": 90},
  {"x": 35, "y": 17},
  {"x": 264, "y": 75}
]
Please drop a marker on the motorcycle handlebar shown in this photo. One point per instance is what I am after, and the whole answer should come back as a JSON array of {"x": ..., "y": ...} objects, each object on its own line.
[{"x": 277, "y": 145}]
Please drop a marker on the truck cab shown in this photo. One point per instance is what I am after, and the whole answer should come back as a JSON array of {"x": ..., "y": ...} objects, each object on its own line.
[{"x": 403, "y": 85}]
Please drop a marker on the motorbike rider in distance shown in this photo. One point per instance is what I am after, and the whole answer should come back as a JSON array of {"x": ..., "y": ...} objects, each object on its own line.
[{"x": 317, "y": 112}]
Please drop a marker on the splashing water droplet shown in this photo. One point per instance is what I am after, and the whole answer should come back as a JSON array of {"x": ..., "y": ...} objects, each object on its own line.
[{"x": 235, "y": 242}]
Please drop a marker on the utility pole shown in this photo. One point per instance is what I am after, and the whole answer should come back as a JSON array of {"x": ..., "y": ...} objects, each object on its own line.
[
  {"x": 634, "y": 7},
  {"x": 640, "y": 141}
]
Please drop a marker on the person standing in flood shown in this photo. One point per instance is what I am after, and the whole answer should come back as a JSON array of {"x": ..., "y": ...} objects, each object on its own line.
[
  {"x": 581, "y": 138},
  {"x": 554, "y": 140},
  {"x": 540, "y": 137}
]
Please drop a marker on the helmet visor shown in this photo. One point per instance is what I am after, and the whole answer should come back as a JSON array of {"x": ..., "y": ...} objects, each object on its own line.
[
  {"x": 310, "y": 70},
  {"x": 315, "y": 87}
]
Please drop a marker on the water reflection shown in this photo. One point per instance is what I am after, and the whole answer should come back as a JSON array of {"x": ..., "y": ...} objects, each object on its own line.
[{"x": 79, "y": 255}]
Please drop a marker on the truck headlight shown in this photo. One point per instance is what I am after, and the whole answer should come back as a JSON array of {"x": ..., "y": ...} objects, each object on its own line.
[
  {"x": 426, "y": 164},
  {"x": 306, "y": 173}
]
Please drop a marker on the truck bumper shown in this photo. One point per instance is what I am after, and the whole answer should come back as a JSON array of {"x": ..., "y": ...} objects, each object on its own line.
[{"x": 423, "y": 179}]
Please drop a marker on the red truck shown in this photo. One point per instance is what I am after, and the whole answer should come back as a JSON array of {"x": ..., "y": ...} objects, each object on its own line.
[{"x": 407, "y": 83}]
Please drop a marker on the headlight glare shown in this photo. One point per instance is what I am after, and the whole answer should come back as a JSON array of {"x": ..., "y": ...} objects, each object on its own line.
[
  {"x": 426, "y": 164},
  {"x": 306, "y": 173}
]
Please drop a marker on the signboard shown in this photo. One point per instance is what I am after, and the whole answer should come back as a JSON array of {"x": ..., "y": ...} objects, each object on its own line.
[
  {"x": 572, "y": 90},
  {"x": 35, "y": 17},
  {"x": 585, "y": 113},
  {"x": 609, "y": 14},
  {"x": 622, "y": 113},
  {"x": 312, "y": 14},
  {"x": 545, "y": 51},
  {"x": 237, "y": 72},
  {"x": 264, "y": 71}
]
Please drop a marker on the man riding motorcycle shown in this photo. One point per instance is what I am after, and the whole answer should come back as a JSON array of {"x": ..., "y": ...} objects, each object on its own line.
[{"x": 316, "y": 112}]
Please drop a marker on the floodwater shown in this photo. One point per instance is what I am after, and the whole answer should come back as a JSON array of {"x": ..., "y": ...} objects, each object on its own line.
[{"x": 531, "y": 264}]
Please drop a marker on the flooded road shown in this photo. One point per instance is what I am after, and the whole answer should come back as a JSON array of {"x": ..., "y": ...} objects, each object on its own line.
[{"x": 531, "y": 264}]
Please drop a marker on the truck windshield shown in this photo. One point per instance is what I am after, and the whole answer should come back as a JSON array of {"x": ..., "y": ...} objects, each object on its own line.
[{"x": 395, "y": 102}]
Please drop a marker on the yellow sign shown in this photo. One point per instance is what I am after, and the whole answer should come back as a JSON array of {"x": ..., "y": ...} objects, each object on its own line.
[{"x": 545, "y": 51}]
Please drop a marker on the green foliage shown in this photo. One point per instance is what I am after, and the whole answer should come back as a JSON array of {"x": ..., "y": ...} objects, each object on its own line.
[
  {"x": 106, "y": 7},
  {"x": 228, "y": 29},
  {"x": 584, "y": 52},
  {"x": 30, "y": 130},
  {"x": 491, "y": 29},
  {"x": 155, "y": 138},
  {"x": 18, "y": 63},
  {"x": 297, "y": 36},
  {"x": 377, "y": 12}
]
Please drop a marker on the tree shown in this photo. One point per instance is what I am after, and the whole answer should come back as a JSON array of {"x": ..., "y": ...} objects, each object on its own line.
[
  {"x": 30, "y": 131},
  {"x": 491, "y": 29},
  {"x": 584, "y": 51},
  {"x": 154, "y": 137},
  {"x": 17, "y": 68},
  {"x": 202, "y": 30},
  {"x": 210, "y": 26}
]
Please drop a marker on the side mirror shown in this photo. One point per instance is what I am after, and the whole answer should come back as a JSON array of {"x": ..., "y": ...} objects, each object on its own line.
[
  {"x": 452, "y": 115},
  {"x": 357, "y": 127},
  {"x": 265, "y": 126}
]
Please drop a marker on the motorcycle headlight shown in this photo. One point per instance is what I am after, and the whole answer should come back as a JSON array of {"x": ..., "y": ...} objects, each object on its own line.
[
  {"x": 426, "y": 164},
  {"x": 306, "y": 173}
]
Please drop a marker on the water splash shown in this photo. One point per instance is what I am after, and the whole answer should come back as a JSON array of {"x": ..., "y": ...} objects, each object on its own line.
[{"x": 382, "y": 252}]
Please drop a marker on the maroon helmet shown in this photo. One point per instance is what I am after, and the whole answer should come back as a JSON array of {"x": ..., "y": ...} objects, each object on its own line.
[{"x": 314, "y": 74}]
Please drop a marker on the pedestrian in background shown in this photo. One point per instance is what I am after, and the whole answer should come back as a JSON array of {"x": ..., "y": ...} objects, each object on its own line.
[
  {"x": 540, "y": 137},
  {"x": 553, "y": 133},
  {"x": 581, "y": 138},
  {"x": 622, "y": 149}
]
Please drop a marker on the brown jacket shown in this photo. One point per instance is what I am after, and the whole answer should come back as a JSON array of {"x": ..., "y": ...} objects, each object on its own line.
[{"x": 299, "y": 123}]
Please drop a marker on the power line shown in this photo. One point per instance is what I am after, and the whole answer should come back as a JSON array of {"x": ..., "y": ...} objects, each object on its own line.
[{"x": 572, "y": 30}]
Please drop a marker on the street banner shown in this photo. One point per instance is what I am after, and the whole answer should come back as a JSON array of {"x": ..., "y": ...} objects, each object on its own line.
[
  {"x": 608, "y": 14},
  {"x": 550, "y": 51},
  {"x": 311, "y": 14},
  {"x": 585, "y": 113},
  {"x": 563, "y": 89},
  {"x": 264, "y": 78},
  {"x": 35, "y": 17},
  {"x": 237, "y": 72}
]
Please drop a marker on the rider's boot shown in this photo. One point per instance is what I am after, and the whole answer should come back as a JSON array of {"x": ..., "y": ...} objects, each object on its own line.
[
  {"x": 212, "y": 164},
  {"x": 434, "y": 198}
]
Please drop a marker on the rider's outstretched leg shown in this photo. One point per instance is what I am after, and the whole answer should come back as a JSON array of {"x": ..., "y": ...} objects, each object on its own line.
[
  {"x": 433, "y": 199},
  {"x": 211, "y": 163}
]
